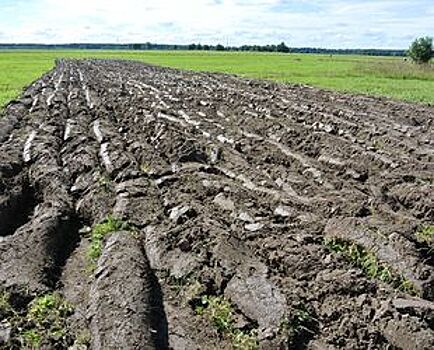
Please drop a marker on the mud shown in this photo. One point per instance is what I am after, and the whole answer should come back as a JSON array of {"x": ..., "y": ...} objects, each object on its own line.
[{"x": 228, "y": 188}]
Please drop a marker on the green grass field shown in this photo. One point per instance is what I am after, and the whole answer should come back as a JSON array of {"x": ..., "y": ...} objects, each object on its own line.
[{"x": 382, "y": 76}]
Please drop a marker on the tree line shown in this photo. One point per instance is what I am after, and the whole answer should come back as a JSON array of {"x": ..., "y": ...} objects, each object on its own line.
[{"x": 282, "y": 48}]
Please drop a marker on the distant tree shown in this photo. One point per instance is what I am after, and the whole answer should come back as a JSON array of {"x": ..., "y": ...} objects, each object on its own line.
[
  {"x": 192, "y": 47},
  {"x": 421, "y": 50},
  {"x": 282, "y": 48},
  {"x": 199, "y": 47},
  {"x": 137, "y": 46},
  {"x": 220, "y": 47},
  {"x": 206, "y": 47}
]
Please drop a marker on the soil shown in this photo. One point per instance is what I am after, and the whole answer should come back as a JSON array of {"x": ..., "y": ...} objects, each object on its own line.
[{"x": 229, "y": 187}]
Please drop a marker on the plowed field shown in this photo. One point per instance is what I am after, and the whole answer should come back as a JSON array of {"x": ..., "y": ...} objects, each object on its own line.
[{"x": 151, "y": 208}]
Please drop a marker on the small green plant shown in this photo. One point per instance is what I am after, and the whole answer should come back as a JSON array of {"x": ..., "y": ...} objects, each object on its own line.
[
  {"x": 5, "y": 306},
  {"x": 297, "y": 323},
  {"x": 244, "y": 341},
  {"x": 302, "y": 316},
  {"x": 99, "y": 232},
  {"x": 368, "y": 262},
  {"x": 378, "y": 144},
  {"x": 32, "y": 339},
  {"x": 220, "y": 312},
  {"x": 187, "y": 292},
  {"x": 49, "y": 307},
  {"x": 426, "y": 234},
  {"x": 45, "y": 320},
  {"x": 104, "y": 182},
  {"x": 145, "y": 168}
]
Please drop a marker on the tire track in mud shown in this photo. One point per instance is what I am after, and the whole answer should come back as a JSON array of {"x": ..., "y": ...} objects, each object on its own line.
[{"x": 232, "y": 193}]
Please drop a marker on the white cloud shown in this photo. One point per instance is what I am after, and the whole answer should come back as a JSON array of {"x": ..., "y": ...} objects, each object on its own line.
[{"x": 325, "y": 23}]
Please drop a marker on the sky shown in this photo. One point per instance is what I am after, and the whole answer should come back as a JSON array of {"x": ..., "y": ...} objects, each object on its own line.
[{"x": 389, "y": 24}]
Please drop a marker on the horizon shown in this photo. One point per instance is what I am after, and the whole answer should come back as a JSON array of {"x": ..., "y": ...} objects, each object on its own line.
[
  {"x": 187, "y": 44},
  {"x": 325, "y": 24}
]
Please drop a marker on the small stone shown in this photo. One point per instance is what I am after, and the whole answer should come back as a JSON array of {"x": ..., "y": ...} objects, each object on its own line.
[
  {"x": 329, "y": 129},
  {"x": 361, "y": 300},
  {"x": 85, "y": 230},
  {"x": 254, "y": 227},
  {"x": 215, "y": 155},
  {"x": 279, "y": 182},
  {"x": 258, "y": 299},
  {"x": 175, "y": 167},
  {"x": 283, "y": 211},
  {"x": 206, "y": 183},
  {"x": 245, "y": 217},
  {"x": 178, "y": 212},
  {"x": 331, "y": 160},
  {"x": 328, "y": 259},
  {"x": 184, "y": 245},
  {"x": 5, "y": 333},
  {"x": 356, "y": 175},
  {"x": 225, "y": 203},
  {"x": 315, "y": 172}
]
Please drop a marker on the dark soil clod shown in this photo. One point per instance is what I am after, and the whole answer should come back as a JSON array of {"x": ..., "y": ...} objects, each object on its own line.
[{"x": 16, "y": 209}]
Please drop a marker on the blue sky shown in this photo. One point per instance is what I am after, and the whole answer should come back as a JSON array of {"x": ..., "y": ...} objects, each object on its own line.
[{"x": 318, "y": 23}]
